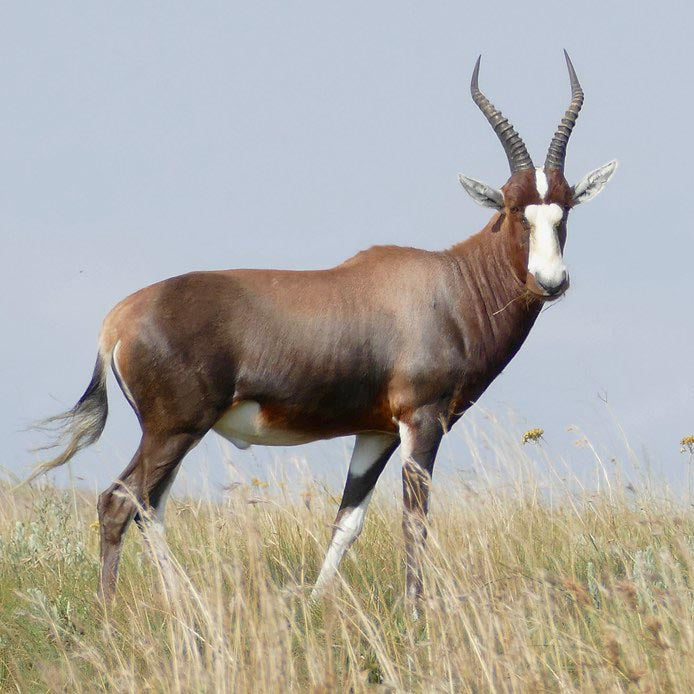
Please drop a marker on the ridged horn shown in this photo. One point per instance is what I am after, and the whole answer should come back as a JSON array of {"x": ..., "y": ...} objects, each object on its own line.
[
  {"x": 556, "y": 154},
  {"x": 518, "y": 157}
]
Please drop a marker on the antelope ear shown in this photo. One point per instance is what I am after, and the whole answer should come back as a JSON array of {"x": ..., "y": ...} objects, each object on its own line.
[
  {"x": 591, "y": 184},
  {"x": 481, "y": 193}
]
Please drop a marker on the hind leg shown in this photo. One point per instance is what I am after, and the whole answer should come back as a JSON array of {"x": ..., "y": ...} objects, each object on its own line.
[
  {"x": 150, "y": 519},
  {"x": 369, "y": 457},
  {"x": 144, "y": 484}
]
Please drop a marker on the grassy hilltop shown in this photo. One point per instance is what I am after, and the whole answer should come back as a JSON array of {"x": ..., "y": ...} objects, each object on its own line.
[{"x": 528, "y": 589}]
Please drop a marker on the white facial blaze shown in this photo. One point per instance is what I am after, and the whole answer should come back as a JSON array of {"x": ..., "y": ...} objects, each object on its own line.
[
  {"x": 541, "y": 183},
  {"x": 545, "y": 260}
]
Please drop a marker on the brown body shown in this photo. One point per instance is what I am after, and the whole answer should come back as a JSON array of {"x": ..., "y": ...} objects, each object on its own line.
[
  {"x": 393, "y": 329},
  {"x": 392, "y": 345}
]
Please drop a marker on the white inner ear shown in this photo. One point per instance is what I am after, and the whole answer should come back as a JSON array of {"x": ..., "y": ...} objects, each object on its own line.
[
  {"x": 545, "y": 259},
  {"x": 481, "y": 193},
  {"x": 591, "y": 184}
]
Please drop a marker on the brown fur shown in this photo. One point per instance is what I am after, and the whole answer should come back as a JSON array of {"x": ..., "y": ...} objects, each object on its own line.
[
  {"x": 391, "y": 335},
  {"x": 396, "y": 341}
]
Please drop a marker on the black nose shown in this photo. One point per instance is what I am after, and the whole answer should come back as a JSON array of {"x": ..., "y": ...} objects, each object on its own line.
[{"x": 552, "y": 288}]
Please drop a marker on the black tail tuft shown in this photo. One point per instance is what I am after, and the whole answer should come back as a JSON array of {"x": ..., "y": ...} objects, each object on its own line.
[{"x": 79, "y": 427}]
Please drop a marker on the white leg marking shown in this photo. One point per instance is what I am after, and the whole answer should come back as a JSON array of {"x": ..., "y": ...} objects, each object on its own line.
[
  {"x": 406, "y": 442},
  {"x": 349, "y": 527},
  {"x": 368, "y": 448},
  {"x": 153, "y": 526}
]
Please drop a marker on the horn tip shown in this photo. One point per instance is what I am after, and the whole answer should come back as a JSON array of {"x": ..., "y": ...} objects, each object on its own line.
[
  {"x": 572, "y": 72},
  {"x": 475, "y": 73},
  {"x": 569, "y": 64}
]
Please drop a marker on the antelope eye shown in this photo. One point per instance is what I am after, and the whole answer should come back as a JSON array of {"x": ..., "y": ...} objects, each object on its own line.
[{"x": 515, "y": 210}]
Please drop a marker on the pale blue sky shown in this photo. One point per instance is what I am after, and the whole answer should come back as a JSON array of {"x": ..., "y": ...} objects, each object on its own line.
[{"x": 143, "y": 141}]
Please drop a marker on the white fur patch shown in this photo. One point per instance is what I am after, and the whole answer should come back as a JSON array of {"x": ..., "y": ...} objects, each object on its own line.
[
  {"x": 406, "y": 441},
  {"x": 349, "y": 527},
  {"x": 121, "y": 380},
  {"x": 368, "y": 448},
  {"x": 243, "y": 424},
  {"x": 541, "y": 183},
  {"x": 545, "y": 260}
]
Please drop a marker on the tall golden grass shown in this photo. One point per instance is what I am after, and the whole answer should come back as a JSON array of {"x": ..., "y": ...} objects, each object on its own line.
[{"x": 532, "y": 583}]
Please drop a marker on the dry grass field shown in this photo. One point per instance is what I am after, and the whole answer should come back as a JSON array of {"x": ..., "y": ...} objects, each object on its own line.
[{"x": 533, "y": 584}]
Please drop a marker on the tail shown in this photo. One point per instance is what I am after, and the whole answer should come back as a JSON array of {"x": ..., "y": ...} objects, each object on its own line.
[{"x": 79, "y": 427}]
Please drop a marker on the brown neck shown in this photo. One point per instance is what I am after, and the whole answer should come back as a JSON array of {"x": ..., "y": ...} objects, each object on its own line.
[{"x": 497, "y": 308}]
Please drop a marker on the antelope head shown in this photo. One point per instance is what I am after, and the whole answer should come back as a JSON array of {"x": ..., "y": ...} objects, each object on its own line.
[{"x": 534, "y": 203}]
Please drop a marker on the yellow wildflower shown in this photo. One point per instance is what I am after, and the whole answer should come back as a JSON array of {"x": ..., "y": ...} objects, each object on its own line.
[{"x": 533, "y": 435}]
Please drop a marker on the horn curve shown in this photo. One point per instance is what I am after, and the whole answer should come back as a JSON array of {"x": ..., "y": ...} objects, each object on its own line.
[
  {"x": 556, "y": 154},
  {"x": 518, "y": 157}
]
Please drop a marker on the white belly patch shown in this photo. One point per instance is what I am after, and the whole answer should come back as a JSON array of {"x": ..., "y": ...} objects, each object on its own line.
[{"x": 243, "y": 424}]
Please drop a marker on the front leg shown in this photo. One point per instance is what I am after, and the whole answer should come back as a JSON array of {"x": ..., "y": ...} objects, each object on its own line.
[{"x": 420, "y": 435}]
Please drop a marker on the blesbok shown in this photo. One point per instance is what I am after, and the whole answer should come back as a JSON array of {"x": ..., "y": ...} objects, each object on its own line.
[{"x": 393, "y": 346}]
